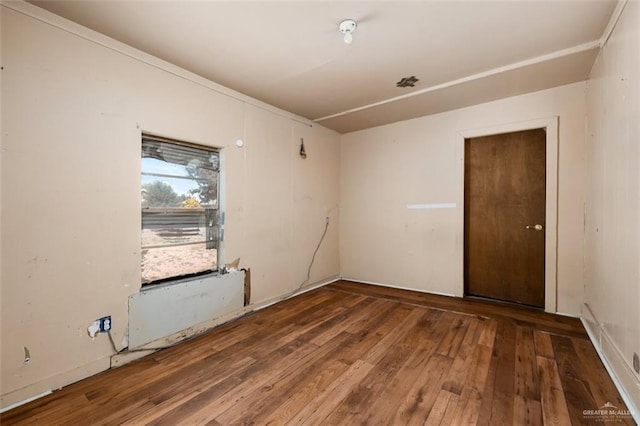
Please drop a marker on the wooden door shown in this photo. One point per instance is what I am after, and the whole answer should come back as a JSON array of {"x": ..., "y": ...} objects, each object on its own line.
[{"x": 504, "y": 200}]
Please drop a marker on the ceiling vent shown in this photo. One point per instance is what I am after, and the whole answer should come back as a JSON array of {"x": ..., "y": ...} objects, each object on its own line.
[{"x": 408, "y": 81}]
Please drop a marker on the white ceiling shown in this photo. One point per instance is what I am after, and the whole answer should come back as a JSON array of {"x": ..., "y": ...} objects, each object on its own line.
[{"x": 291, "y": 55}]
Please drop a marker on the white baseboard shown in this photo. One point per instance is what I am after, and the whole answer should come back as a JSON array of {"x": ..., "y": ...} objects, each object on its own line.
[
  {"x": 564, "y": 314},
  {"x": 356, "y": 280},
  {"x": 625, "y": 380},
  {"x": 46, "y": 386},
  {"x": 302, "y": 290},
  {"x": 25, "y": 401}
]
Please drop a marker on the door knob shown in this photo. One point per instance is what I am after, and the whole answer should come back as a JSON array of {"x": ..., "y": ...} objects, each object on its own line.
[{"x": 537, "y": 227}]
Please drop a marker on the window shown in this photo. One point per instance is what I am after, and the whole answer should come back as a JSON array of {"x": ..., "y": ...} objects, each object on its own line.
[{"x": 180, "y": 210}]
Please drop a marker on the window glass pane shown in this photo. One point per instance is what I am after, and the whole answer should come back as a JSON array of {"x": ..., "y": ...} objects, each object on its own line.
[
  {"x": 179, "y": 192},
  {"x": 161, "y": 167},
  {"x": 207, "y": 187},
  {"x": 168, "y": 262},
  {"x": 179, "y": 154},
  {"x": 173, "y": 226}
]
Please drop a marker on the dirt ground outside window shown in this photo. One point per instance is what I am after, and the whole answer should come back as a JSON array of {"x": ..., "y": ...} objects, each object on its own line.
[{"x": 167, "y": 262}]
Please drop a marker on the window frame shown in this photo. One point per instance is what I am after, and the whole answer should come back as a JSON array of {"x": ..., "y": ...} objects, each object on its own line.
[{"x": 214, "y": 232}]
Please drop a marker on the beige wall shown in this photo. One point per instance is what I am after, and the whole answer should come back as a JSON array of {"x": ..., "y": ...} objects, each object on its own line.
[
  {"x": 612, "y": 227},
  {"x": 72, "y": 115},
  {"x": 419, "y": 162}
]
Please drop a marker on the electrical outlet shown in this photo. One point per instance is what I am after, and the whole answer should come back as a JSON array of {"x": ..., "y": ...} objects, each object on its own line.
[
  {"x": 105, "y": 324},
  {"x": 636, "y": 362}
]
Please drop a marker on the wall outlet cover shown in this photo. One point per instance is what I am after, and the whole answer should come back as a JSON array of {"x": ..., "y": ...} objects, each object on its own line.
[{"x": 105, "y": 324}]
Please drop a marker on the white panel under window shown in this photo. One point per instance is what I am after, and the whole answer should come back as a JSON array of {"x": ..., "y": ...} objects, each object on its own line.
[{"x": 163, "y": 310}]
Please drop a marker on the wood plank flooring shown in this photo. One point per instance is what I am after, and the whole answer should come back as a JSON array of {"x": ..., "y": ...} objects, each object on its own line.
[{"x": 350, "y": 354}]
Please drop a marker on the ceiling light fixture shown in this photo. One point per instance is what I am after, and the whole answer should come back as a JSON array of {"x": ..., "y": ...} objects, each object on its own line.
[{"x": 347, "y": 27}]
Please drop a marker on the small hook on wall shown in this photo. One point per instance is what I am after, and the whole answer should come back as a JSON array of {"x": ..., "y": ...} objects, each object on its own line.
[{"x": 303, "y": 153}]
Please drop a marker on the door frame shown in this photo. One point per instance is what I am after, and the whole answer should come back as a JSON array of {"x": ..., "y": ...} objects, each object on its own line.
[{"x": 550, "y": 124}]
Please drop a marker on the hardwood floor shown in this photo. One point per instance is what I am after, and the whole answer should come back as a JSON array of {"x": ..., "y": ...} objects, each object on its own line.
[{"x": 349, "y": 354}]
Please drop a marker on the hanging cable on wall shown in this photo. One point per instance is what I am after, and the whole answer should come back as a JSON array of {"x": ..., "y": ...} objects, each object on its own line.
[{"x": 313, "y": 258}]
